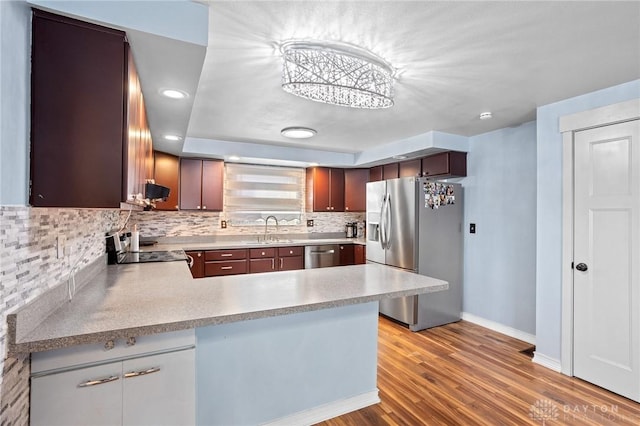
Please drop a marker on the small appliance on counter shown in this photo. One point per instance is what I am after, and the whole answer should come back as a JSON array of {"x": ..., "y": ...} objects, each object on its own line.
[{"x": 352, "y": 229}]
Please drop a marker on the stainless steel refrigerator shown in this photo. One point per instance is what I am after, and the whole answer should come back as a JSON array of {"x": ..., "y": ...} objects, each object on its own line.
[{"x": 416, "y": 224}]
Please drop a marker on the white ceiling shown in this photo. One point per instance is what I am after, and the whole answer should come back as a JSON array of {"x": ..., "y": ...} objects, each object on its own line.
[{"x": 454, "y": 60}]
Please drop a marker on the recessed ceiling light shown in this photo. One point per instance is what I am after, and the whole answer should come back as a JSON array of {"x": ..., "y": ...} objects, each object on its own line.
[
  {"x": 486, "y": 115},
  {"x": 313, "y": 164},
  {"x": 399, "y": 157},
  {"x": 298, "y": 132},
  {"x": 234, "y": 158},
  {"x": 172, "y": 137},
  {"x": 174, "y": 93}
]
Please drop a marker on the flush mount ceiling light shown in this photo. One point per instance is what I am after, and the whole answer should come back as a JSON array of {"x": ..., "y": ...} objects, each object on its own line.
[
  {"x": 486, "y": 115},
  {"x": 174, "y": 93},
  {"x": 298, "y": 132},
  {"x": 336, "y": 73}
]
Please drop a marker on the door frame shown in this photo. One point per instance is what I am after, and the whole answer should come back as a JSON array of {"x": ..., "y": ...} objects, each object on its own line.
[{"x": 569, "y": 124}]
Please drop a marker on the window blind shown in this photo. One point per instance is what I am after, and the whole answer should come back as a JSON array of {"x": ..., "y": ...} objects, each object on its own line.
[{"x": 253, "y": 192}]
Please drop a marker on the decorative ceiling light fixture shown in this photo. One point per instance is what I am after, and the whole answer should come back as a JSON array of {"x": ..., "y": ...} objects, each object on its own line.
[
  {"x": 336, "y": 73},
  {"x": 297, "y": 132}
]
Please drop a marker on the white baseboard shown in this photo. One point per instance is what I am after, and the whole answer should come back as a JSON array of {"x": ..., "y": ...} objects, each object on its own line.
[
  {"x": 545, "y": 361},
  {"x": 328, "y": 411},
  {"x": 500, "y": 328}
]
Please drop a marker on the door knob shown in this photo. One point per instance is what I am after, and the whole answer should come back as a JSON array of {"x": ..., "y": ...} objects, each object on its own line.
[{"x": 582, "y": 267}]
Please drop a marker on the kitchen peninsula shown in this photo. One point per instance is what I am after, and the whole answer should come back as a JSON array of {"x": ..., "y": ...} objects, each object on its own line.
[{"x": 291, "y": 347}]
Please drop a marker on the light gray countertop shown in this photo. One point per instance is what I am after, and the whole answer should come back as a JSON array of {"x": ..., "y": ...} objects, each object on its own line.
[
  {"x": 141, "y": 299},
  {"x": 249, "y": 243}
]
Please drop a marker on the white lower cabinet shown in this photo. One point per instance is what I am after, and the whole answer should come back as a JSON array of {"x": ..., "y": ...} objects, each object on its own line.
[{"x": 136, "y": 388}]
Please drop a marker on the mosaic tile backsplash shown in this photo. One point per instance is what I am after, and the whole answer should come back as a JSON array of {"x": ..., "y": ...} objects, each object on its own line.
[
  {"x": 29, "y": 266},
  {"x": 198, "y": 223}
]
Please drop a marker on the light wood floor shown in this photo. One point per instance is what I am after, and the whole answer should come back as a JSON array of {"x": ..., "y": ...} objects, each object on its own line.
[{"x": 464, "y": 374}]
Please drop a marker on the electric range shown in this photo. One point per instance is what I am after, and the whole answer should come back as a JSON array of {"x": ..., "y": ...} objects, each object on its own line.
[{"x": 152, "y": 256}]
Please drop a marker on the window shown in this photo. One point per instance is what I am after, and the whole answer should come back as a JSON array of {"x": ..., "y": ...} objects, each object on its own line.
[{"x": 253, "y": 192}]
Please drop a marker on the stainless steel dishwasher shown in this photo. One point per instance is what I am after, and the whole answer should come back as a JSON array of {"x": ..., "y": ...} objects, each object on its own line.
[{"x": 321, "y": 256}]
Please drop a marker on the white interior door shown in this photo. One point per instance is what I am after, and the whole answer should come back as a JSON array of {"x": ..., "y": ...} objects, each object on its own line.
[{"x": 607, "y": 257}]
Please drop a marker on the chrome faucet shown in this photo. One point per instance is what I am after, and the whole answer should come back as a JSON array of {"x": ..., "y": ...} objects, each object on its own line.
[{"x": 266, "y": 222}]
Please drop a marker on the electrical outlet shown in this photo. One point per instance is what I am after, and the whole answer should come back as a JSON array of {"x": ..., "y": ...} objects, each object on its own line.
[
  {"x": 223, "y": 224},
  {"x": 310, "y": 223}
]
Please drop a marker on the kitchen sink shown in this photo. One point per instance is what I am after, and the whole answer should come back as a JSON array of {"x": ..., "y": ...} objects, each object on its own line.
[{"x": 267, "y": 242}]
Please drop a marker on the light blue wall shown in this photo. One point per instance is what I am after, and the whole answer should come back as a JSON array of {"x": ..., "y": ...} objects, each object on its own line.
[
  {"x": 15, "y": 69},
  {"x": 549, "y": 208},
  {"x": 500, "y": 198}
]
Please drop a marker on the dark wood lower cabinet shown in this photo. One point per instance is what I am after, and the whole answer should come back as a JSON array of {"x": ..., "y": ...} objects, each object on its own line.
[
  {"x": 360, "y": 254},
  {"x": 347, "y": 255},
  {"x": 229, "y": 267},
  {"x": 197, "y": 264}
]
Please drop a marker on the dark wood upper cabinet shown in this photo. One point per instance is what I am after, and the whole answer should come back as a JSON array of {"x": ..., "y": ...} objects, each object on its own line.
[
  {"x": 375, "y": 174},
  {"x": 411, "y": 168},
  {"x": 390, "y": 171},
  {"x": 355, "y": 190},
  {"x": 78, "y": 75},
  {"x": 325, "y": 189},
  {"x": 451, "y": 163},
  {"x": 167, "y": 173},
  {"x": 201, "y": 184}
]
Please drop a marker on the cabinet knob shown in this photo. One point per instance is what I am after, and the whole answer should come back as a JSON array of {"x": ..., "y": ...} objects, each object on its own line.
[
  {"x": 263, "y": 253},
  {"x": 346, "y": 208},
  {"x": 199, "y": 254},
  {"x": 198, "y": 207},
  {"x": 331, "y": 208},
  {"x": 290, "y": 251},
  {"x": 204, "y": 207},
  {"x": 328, "y": 208}
]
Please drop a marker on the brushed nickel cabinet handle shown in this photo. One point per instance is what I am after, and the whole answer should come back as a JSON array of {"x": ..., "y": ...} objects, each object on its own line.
[
  {"x": 281, "y": 263},
  {"x": 94, "y": 382},
  {"x": 226, "y": 255},
  {"x": 273, "y": 264},
  {"x": 141, "y": 372},
  {"x": 226, "y": 268}
]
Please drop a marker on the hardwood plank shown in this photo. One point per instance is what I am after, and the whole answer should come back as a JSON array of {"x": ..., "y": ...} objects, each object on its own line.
[{"x": 464, "y": 374}]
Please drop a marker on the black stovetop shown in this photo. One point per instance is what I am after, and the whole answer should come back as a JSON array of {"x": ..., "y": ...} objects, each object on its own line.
[{"x": 152, "y": 256}]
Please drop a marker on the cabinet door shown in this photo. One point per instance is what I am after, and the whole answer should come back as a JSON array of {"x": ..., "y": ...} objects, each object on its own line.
[
  {"x": 267, "y": 264},
  {"x": 212, "y": 183},
  {"x": 197, "y": 268},
  {"x": 318, "y": 189},
  {"x": 336, "y": 190},
  {"x": 159, "y": 390},
  {"x": 411, "y": 168},
  {"x": 291, "y": 263},
  {"x": 166, "y": 173},
  {"x": 375, "y": 174},
  {"x": 78, "y": 73},
  {"x": 390, "y": 171},
  {"x": 347, "y": 254},
  {"x": 61, "y": 399},
  {"x": 360, "y": 254},
  {"x": 355, "y": 190},
  {"x": 190, "y": 184}
]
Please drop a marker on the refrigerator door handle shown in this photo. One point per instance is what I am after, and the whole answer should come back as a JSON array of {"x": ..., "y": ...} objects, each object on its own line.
[
  {"x": 381, "y": 224},
  {"x": 387, "y": 223}
]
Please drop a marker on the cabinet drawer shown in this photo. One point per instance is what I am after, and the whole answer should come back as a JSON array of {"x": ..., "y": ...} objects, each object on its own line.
[
  {"x": 290, "y": 251},
  {"x": 232, "y": 254},
  {"x": 258, "y": 253},
  {"x": 231, "y": 267}
]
